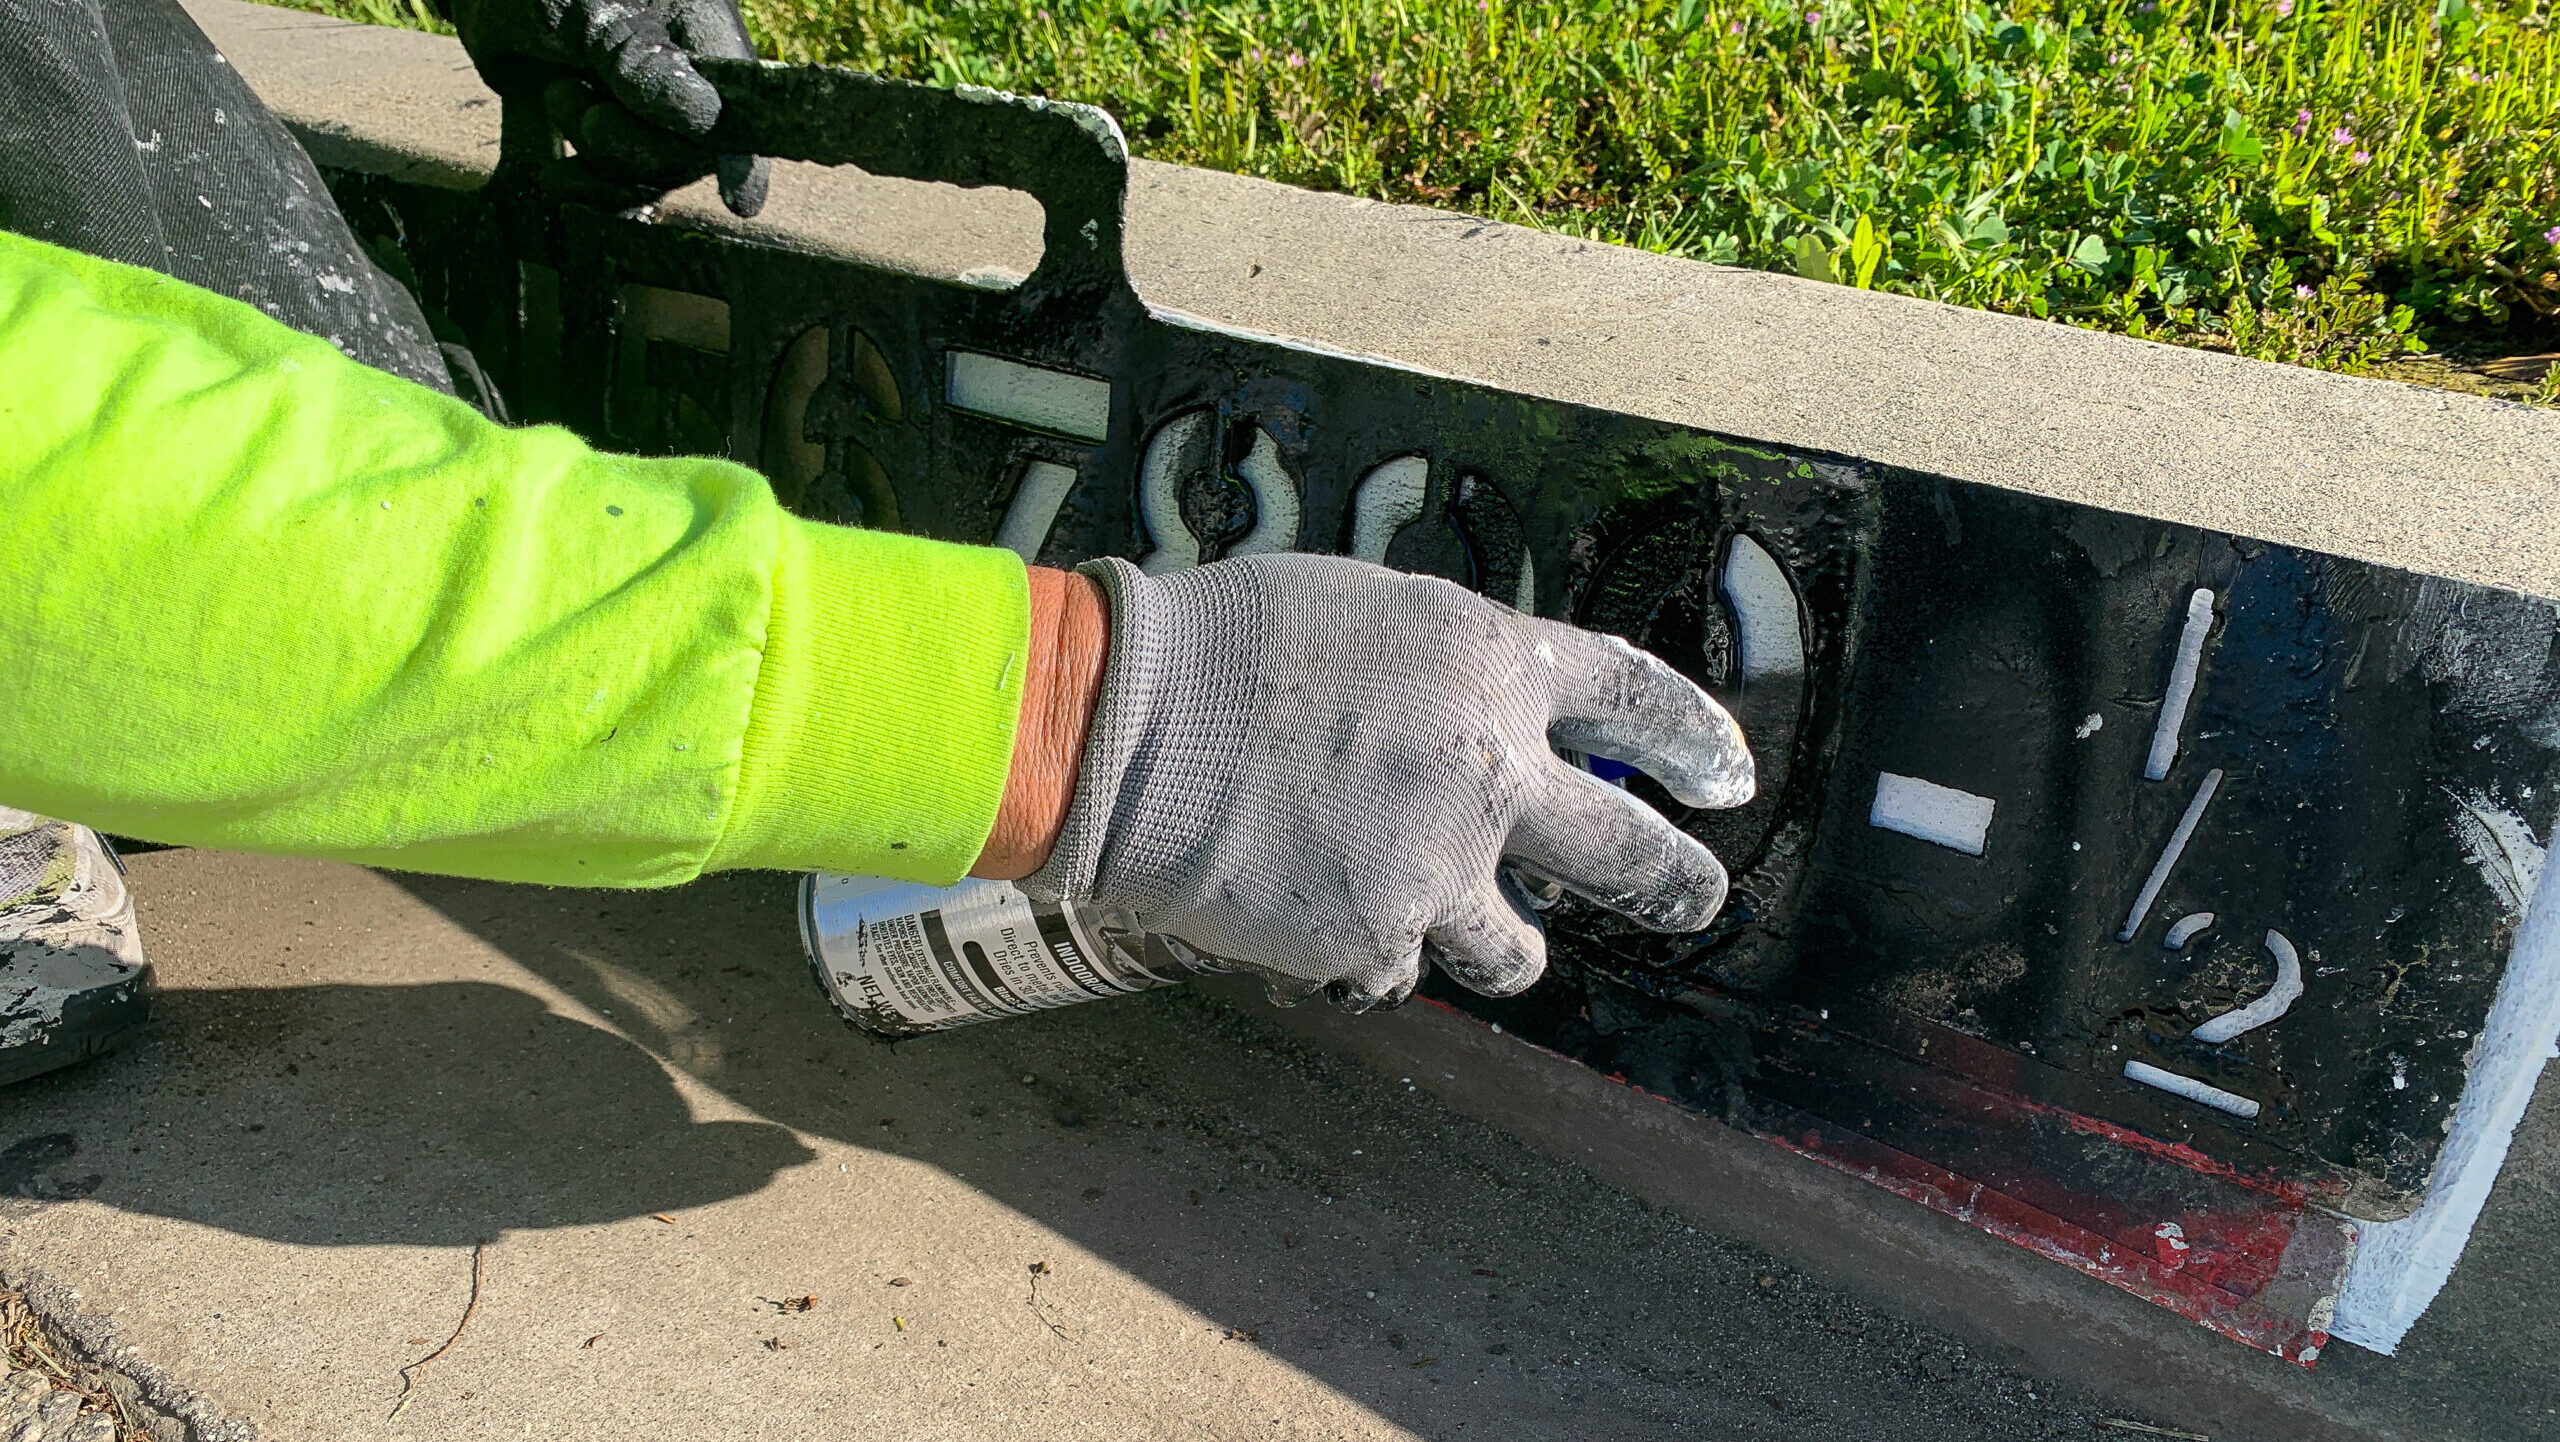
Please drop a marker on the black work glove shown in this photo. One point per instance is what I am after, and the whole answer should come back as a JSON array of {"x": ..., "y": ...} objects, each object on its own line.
[{"x": 616, "y": 77}]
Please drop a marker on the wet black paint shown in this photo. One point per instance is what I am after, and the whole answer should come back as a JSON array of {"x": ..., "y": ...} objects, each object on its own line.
[{"x": 1952, "y": 632}]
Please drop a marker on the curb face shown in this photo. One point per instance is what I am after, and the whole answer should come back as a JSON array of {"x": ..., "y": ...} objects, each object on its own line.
[{"x": 1946, "y": 948}]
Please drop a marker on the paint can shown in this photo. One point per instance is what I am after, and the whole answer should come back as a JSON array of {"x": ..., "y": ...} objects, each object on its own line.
[{"x": 900, "y": 959}]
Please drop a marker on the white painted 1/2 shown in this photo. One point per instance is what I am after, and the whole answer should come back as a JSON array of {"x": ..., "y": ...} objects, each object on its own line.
[
  {"x": 1035, "y": 506},
  {"x": 1275, "y": 500},
  {"x": 1160, "y": 493},
  {"x": 1387, "y": 500},
  {"x": 2193, "y": 1090},
  {"x": 2278, "y": 1000},
  {"x": 2182, "y": 686},
  {"x": 1769, "y": 631},
  {"x": 1035, "y": 397},
  {"x": 2169, "y": 855},
  {"x": 1957, "y": 820}
]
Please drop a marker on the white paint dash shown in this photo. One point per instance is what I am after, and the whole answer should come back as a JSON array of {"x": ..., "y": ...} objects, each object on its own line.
[
  {"x": 2169, "y": 855},
  {"x": 2195, "y": 1091},
  {"x": 1035, "y": 506},
  {"x": 1957, "y": 820},
  {"x": 1771, "y": 631},
  {"x": 1389, "y": 499},
  {"x": 1034, "y": 397},
  {"x": 2279, "y": 998},
  {"x": 2182, "y": 686}
]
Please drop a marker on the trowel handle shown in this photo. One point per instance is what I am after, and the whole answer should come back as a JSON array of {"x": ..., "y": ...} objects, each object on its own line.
[{"x": 1069, "y": 158}]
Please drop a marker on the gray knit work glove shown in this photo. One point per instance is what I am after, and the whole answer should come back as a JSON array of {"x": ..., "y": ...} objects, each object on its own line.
[{"x": 1314, "y": 766}]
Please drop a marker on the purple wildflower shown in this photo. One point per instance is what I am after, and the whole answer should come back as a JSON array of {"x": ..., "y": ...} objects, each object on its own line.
[
  {"x": 1734, "y": 29},
  {"x": 1297, "y": 61},
  {"x": 2552, "y": 235},
  {"x": 2364, "y": 157},
  {"x": 2283, "y": 8},
  {"x": 1377, "y": 82},
  {"x": 2302, "y": 292},
  {"x": 1254, "y": 55},
  {"x": 2301, "y": 123},
  {"x": 2342, "y": 137}
]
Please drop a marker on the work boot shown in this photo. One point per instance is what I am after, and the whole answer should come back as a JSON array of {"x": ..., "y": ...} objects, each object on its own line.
[{"x": 73, "y": 981}]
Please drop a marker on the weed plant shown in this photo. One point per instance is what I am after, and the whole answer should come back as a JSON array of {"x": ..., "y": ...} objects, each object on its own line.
[{"x": 2318, "y": 181}]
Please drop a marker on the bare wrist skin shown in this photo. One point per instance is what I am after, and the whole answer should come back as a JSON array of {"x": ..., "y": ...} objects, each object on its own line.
[{"x": 1070, "y": 634}]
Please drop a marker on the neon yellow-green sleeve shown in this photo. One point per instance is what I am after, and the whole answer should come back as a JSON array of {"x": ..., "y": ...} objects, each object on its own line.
[{"x": 255, "y": 595}]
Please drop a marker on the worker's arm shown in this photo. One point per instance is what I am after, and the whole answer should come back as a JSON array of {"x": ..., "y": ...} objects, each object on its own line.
[{"x": 255, "y": 595}]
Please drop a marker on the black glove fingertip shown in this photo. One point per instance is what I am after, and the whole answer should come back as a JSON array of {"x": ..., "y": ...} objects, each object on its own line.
[{"x": 744, "y": 182}]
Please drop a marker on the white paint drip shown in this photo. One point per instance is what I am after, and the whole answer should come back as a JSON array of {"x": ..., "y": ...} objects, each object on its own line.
[
  {"x": 2278, "y": 1000},
  {"x": 2400, "y": 1266},
  {"x": 1525, "y": 600},
  {"x": 2195, "y": 1091},
  {"x": 1160, "y": 494},
  {"x": 1036, "y": 500},
  {"x": 2500, "y": 846},
  {"x": 1770, "y": 629},
  {"x": 1275, "y": 500},
  {"x": 1031, "y": 396},
  {"x": 2169, "y": 855},
  {"x": 2090, "y": 725},
  {"x": 2182, "y": 686},
  {"x": 2184, "y": 929},
  {"x": 1389, "y": 499},
  {"x": 1957, "y": 820}
]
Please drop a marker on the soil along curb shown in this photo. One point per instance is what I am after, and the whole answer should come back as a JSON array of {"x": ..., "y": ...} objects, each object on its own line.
[{"x": 2035, "y": 622}]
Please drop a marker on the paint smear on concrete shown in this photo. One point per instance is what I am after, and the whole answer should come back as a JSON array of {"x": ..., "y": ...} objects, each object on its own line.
[
  {"x": 1957, "y": 820},
  {"x": 2500, "y": 846},
  {"x": 2400, "y": 1266}
]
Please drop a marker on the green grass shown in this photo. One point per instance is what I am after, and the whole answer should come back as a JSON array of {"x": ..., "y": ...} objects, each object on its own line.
[{"x": 2329, "y": 182}]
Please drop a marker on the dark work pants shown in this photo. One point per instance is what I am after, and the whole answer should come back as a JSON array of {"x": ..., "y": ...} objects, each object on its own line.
[{"x": 125, "y": 134}]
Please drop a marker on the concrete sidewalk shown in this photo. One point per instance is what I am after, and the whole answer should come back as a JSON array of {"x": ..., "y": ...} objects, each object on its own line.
[{"x": 1163, "y": 1217}]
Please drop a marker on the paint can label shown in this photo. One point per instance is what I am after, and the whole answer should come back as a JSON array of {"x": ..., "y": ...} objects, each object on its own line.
[{"x": 898, "y": 958}]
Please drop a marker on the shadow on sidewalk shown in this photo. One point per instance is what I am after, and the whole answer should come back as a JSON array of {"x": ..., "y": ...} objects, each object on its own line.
[{"x": 354, "y": 1115}]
